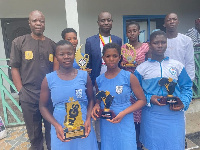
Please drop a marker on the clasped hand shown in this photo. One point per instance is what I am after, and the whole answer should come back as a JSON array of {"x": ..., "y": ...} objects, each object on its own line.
[{"x": 174, "y": 107}]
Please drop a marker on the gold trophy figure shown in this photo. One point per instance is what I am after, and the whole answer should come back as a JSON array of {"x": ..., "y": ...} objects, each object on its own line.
[
  {"x": 82, "y": 61},
  {"x": 130, "y": 54},
  {"x": 74, "y": 125},
  {"x": 170, "y": 87},
  {"x": 107, "y": 99}
]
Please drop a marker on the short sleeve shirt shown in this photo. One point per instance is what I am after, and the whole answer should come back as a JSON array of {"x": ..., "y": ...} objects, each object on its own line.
[{"x": 34, "y": 58}]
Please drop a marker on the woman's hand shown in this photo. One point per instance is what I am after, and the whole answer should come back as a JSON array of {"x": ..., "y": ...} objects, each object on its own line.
[
  {"x": 60, "y": 133},
  {"x": 123, "y": 64},
  {"x": 87, "y": 127},
  {"x": 118, "y": 118},
  {"x": 154, "y": 100},
  {"x": 178, "y": 106},
  {"x": 95, "y": 111}
]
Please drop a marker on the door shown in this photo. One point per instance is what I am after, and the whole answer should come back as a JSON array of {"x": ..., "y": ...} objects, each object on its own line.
[{"x": 12, "y": 28}]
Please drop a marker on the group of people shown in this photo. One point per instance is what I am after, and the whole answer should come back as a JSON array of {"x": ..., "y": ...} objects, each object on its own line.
[{"x": 47, "y": 76}]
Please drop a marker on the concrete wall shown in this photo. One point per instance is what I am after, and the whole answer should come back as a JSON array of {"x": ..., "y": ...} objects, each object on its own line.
[
  {"x": 54, "y": 11},
  {"x": 88, "y": 10}
]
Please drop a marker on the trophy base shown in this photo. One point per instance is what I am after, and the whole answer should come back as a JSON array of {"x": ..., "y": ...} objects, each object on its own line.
[
  {"x": 86, "y": 69},
  {"x": 169, "y": 100},
  {"x": 172, "y": 100},
  {"x": 106, "y": 114},
  {"x": 73, "y": 134},
  {"x": 129, "y": 65}
]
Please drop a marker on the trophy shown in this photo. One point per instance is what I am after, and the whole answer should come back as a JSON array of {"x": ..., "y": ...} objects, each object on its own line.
[
  {"x": 107, "y": 99},
  {"x": 130, "y": 54},
  {"x": 82, "y": 61},
  {"x": 74, "y": 125},
  {"x": 170, "y": 87}
]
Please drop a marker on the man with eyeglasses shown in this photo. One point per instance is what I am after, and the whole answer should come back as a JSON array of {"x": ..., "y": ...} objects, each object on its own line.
[
  {"x": 94, "y": 46},
  {"x": 31, "y": 58},
  {"x": 194, "y": 33}
]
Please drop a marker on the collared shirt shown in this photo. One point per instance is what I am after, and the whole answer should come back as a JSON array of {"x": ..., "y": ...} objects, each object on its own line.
[
  {"x": 151, "y": 71},
  {"x": 34, "y": 58},
  {"x": 194, "y": 35}
]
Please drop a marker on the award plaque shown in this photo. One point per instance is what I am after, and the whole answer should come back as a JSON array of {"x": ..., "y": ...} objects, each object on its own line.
[
  {"x": 130, "y": 54},
  {"x": 107, "y": 99},
  {"x": 74, "y": 125},
  {"x": 82, "y": 61},
  {"x": 170, "y": 87}
]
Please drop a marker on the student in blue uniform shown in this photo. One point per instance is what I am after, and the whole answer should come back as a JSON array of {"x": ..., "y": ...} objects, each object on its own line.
[
  {"x": 63, "y": 84},
  {"x": 163, "y": 125},
  {"x": 119, "y": 132}
]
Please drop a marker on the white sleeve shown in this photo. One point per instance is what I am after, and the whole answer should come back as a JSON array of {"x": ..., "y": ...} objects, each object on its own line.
[{"x": 189, "y": 60}]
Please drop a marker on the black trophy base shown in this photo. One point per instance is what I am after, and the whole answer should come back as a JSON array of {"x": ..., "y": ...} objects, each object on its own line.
[
  {"x": 106, "y": 114},
  {"x": 73, "y": 134},
  {"x": 169, "y": 100}
]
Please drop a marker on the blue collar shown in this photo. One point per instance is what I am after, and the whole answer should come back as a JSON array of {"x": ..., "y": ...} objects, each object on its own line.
[{"x": 151, "y": 60}]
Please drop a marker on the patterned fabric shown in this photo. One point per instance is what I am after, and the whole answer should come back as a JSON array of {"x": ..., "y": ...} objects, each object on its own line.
[
  {"x": 194, "y": 35},
  {"x": 140, "y": 57},
  {"x": 136, "y": 114}
]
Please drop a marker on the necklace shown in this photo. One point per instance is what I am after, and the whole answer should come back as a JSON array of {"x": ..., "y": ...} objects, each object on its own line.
[{"x": 102, "y": 40}]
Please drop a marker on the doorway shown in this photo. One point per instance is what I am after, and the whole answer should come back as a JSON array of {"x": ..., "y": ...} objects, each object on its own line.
[{"x": 12, "y": 28}]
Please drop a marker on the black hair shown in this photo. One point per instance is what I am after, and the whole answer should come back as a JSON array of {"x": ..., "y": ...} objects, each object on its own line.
[
  {"x": 112, "y": 45},
  {"x": 67, "y": 30},
  {"x": 63, "y": 42},
  {"x": 155, "y": 33},
  {"x": 131, "y": 23}
]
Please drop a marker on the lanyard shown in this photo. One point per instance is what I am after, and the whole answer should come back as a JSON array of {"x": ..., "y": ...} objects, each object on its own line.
[{"x": 102, "y": 40}]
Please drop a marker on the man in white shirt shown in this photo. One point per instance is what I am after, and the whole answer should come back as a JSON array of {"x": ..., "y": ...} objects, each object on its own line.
[{"x": 179, "y": 46}]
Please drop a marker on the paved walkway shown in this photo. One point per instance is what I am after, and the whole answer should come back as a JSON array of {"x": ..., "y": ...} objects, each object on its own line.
[{"x": 17, "y": 138}]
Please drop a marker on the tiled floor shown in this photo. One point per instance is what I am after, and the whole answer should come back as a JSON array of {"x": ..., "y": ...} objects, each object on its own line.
[{"x": 17, "y": 139}]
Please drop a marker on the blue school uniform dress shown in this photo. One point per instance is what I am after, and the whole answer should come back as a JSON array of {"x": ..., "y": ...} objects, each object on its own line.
[
  {"x": 118, "y": 136},
  {"x": 162, "y": 128},
  {"x": 61, "y": 91}
]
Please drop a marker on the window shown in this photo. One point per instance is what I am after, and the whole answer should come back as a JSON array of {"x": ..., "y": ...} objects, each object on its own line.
[{"x": 147, "y": 23}]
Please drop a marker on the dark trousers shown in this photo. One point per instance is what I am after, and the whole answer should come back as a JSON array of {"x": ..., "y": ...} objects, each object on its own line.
[{"x": 33, "y": 121}]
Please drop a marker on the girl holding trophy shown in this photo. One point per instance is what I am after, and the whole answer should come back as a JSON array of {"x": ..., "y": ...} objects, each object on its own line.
[
  {"x": 133, "y": 54},
  {"x": 117, "y": 133},
  {"x": 72, "y": 96},
  {"x": 168, "y": 90}
]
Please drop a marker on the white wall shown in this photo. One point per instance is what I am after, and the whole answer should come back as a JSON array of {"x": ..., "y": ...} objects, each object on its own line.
[
  {"x": 88, "y": 10},
  {"x": 54, "y": 12}
]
